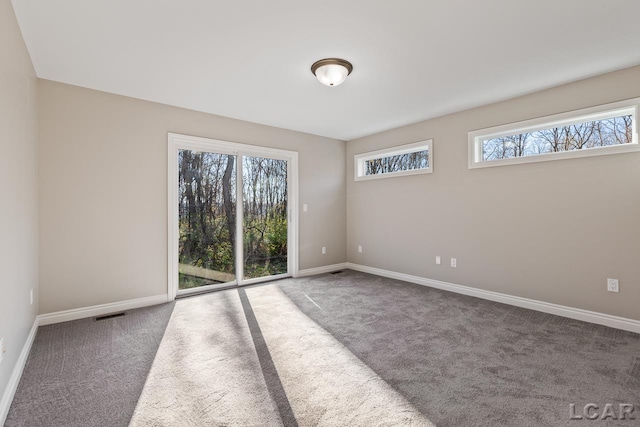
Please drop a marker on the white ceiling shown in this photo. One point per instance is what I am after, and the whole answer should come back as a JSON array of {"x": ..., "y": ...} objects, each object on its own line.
[{"x": 250, "y": 60}]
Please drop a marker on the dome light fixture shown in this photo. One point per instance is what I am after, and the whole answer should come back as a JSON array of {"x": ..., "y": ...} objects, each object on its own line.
[{"x": 331, "y": 71}]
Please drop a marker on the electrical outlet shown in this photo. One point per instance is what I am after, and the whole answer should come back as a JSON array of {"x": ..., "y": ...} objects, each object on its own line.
[
  {"x": 305, "y": 207},
  {"x": 31, "y": 296},
  {"x": 359, "y": 248},
  {"x": 324, "y": 250},
  {"x": 454, "y": 262},
  {"x": 1, "y": 349},
  {"x": 438, "y": 262},
  {"x": 613, "y": 285}
]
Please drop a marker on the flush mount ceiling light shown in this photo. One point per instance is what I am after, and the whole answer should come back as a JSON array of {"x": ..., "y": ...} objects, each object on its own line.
[{"x": 331, "y": 71}]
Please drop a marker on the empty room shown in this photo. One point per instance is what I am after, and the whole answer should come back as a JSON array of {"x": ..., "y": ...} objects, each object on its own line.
[{"x": 338, "y": 213}]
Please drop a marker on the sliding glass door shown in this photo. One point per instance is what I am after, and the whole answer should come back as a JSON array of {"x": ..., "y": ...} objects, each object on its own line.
[
  {"x": 230, "y": 217},
  {"x": 206, "y": 219},
  {"x": 265, "y": 223}
]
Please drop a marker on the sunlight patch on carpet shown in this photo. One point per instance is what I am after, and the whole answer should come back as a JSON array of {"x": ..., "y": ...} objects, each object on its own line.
[
  {"x": 207, "y": 370},
  {"x": 325, "y": 383}
]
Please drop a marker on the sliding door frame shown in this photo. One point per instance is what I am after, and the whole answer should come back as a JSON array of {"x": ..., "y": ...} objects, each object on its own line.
[{"x": 178, "y": 142}]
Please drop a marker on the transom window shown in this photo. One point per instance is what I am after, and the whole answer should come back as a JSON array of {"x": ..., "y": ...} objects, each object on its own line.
[
  {"x": 606, "y": 129},
  {"x": 409, "y": 159}
]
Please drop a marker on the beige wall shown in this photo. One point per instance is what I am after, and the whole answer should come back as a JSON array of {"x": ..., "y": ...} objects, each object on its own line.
[
  {"x": 18, "y": 191},
  {"x": 551, "y": 231},
  {"x": 103, "y": 192}
]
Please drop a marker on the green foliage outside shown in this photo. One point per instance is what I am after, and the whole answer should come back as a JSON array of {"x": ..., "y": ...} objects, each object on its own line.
[
  {"x": 207, "y": 209},
  {"x": 266, "y": 245}
]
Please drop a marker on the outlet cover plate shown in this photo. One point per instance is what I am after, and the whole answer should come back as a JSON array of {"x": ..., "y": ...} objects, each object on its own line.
[{"x": 613, "y": 285}]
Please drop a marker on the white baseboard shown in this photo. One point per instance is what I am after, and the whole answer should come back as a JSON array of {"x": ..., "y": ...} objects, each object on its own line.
[
  {"x": 623, "y": 323},
  {"x": 16, "y": 374},
  {"x": 99, "y": 310},
  {"x": 322, "y": 270}
]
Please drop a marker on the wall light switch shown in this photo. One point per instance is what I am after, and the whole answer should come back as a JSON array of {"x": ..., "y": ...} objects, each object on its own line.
[
  {"x": 613, "y": 285},
  {"x": 305, "y": 207},
  {"x": 31, "y": 296},
  {"x": 359, "y": 248},
  {"x": 438, "y": 262},
  {"x": 324, "y": 250},
  {"x": 454, "y": 262}
]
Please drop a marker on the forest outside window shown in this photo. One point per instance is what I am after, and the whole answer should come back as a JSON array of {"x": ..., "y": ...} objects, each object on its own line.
[
  {"x": 409, "y": 159},
  {"x": 607, "y": 129},
  {"x": 231, "y": 221}
]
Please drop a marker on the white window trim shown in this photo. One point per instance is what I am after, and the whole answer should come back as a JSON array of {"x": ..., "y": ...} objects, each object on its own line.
[
  {"x": 630, "y": 106},
  {"x": 178, "y": 142},
  {"x": 360, "y": 159}
]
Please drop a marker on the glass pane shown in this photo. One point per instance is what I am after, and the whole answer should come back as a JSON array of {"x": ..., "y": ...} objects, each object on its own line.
[
  {"x": 265, "y": 216},
  {"x": 398, "y": 163},
  {"x": 580, "y": 136},
  {"x": 206, "y": 210}
]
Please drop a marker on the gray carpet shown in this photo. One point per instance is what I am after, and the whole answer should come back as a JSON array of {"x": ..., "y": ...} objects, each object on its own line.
[
  {"x": 250, "y": 357},
  {"x": 330, "y": 350},
  {"x": 87, "y": 373},
  {"x": 206, "y": 371},
  {"x": 463, "y": 361}
]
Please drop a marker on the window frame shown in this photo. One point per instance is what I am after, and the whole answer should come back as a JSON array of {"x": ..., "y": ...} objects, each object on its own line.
[
  {"x": 360, "y": 159},
  {"x": 600, "y": 112}
]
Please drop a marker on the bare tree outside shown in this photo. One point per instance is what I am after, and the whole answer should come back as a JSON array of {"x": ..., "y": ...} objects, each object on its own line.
[
  {"x": 207, "y": 217},
  {"x": 398, "y": 163},
  {"x": 265, "y": 220},
  {"x": 580, "y": 136}
]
